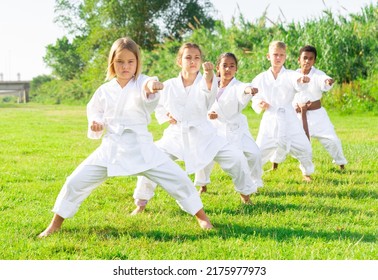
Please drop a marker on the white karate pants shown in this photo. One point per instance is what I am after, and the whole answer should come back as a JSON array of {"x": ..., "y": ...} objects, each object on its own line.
[
  {"x": 86, "y": 178},
  {"x": 231, "y": 160}
]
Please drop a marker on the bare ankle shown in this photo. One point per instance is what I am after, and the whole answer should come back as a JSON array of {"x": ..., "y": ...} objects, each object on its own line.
[
  {"x": 203, "y": 189},
  {"x": 246, "y": 199},
  {"x": 274, "y": 167}
]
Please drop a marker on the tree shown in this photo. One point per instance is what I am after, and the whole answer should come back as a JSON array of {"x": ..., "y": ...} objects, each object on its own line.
[
  {"x": 146, "y": 21},
  {"x": 63, "y": 58},
  {"x": 183, "y": 15},
  {"x": 93, "y": 25}
]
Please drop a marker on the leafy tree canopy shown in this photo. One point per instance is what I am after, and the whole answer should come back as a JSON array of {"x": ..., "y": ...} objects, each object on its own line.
[{"x": 93, "y": 25}]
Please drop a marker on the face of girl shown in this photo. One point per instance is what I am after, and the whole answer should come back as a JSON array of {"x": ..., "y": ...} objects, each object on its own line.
[
  {"x": 125, "y": 65},
  {"x": 227, "y": 68},
  {"x": 191, "y": 60}
]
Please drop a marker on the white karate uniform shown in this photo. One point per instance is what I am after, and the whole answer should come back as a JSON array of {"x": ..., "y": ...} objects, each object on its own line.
[
  {"x": 280, "y": 131},
  {"x": 193, "y": 138},
  {"x": 319, "y": 124},
  {"x": 127, "y": 148},
  {"x": 233, "y": 125}
]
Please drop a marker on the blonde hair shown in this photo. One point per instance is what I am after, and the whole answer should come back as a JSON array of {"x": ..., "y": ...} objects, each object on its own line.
[
  {"x": 277, "y": 44},
  {"x": 187, "y": 46},
  {"x": 124, "y": 43}
]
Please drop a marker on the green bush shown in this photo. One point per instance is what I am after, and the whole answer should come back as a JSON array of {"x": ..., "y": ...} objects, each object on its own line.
[
  {"x": 9, "y": 99},
  {"x": 346, "y": 47}
]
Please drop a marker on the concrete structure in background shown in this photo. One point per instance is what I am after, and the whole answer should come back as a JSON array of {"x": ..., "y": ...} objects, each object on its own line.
[{"x": 15, "y": 88}]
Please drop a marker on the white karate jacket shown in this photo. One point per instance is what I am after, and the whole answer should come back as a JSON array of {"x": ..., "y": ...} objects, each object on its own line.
[
  {"x": 193, "y": 139},
  {"x": 127, "y": 146}
]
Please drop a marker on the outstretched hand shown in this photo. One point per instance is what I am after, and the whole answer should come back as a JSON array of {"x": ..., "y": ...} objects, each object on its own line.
[
  {"x": 304, "y": 79},
  {"x": 251, "y": 90},
  {"x": 154, "y": 86},
  {"x": 208, "y": 73},
  {"x": 207, "y": 67},
  {"x": 329, "y": 82}
]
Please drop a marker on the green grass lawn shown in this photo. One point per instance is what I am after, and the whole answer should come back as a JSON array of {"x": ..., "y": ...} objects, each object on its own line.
[{"x": 333, "y": 217}]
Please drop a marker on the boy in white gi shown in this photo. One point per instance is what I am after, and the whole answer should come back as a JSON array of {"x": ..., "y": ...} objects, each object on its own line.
[
  {"x": 120, "y": 109},
  {"x": 226, "y": 115},
  {"x": 190, "y": 136},
  {"x": 314, "y": 117},
  {"x": 280, "y": 131}
]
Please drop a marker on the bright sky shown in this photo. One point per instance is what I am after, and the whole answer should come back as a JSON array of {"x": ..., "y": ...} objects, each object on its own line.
[{"x": 27, "y": 27}]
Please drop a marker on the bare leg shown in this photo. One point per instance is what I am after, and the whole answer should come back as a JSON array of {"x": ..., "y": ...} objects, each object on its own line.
[
  {"x": 274, "y": 167},
  {"x": 203, "y": 220},
  {"x": 246, "y": 199},
  {"x": 54, "y": 226},
  {"x": 202, "y": 189}
]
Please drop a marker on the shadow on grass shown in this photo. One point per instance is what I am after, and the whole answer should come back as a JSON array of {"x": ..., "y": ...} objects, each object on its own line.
[
  {"x": 286, "y": 233},
  {"x": 109, "y": 232},
  {"x": 275, "y": 208},
  {"x": 331, "y": 193},
  {"x": 224, "y": 231},
  {"x": 349, "y": 171}
]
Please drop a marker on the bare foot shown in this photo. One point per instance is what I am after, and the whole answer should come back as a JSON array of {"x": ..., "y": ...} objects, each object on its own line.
[
  {"x": 246, "y": 199},
  {"x": 202, "y": 189},
  {"x": 307, "y": 178},
  {"x": 137, "y": 210},
  {"x": 205, "y": 224},
  {"x": 54, "y": 226},
  {"x": 203, "y": 220},
  {"x": 48, "y": 231}
]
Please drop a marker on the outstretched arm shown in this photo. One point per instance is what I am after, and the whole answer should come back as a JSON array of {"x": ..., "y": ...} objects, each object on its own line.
[{"x": 208, "y": 73}]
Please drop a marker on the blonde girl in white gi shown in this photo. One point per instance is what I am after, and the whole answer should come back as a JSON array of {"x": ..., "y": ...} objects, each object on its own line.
[
  {"x": 226, "y": 115},
  {"x": 280, "y": 131},
  {"x": 191, "y": 137},
  {"x": 120, "y": 112},
  {"x": 313, "y": 115}
]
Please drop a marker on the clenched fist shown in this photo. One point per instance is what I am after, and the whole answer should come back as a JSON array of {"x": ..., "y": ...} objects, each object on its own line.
[
  {"x": 96, "y": 127},
  {"x": 207, "y": 67},
  {"x": 304, "y": 79},
  {"x": 154, "y": 86}
]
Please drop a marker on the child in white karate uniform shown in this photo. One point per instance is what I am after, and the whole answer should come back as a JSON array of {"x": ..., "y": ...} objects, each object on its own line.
[
  {"x": 226, "y": 115},
  {"x": 313, "y": 116},
  {"x": 280, "y": 131},
  {"x": 191, "y": 137},
  {"x": 120, "y": 109}
]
